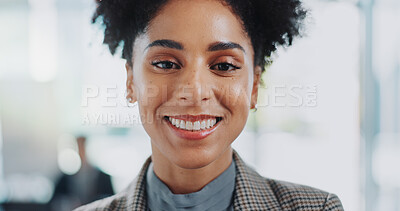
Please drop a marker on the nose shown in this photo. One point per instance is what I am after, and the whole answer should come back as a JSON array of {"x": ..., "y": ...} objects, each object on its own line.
[{"x": 193, "y": 87}]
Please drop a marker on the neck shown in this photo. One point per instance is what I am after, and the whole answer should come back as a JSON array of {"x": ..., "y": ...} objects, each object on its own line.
[{"x": 188, "y": 180}]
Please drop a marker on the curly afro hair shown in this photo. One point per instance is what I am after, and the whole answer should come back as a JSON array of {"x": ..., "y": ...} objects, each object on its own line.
[{"x": 269, "y": 23}]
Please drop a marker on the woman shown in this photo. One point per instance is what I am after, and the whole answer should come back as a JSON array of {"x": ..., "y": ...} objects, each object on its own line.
[{"x": 194, "y": 68}]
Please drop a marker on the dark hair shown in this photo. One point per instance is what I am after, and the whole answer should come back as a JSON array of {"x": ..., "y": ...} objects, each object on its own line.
[{"x": 269, "y": 23}]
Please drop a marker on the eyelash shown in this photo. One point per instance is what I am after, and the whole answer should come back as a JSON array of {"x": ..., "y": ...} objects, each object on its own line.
[
  {"x": 165, "y": 63},
  {"x": 173, "y": 65},
  {"x": 226, "y": 63}
]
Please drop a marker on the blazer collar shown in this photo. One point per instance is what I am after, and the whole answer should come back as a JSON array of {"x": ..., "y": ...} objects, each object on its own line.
[{"x": 252, "y": 192}]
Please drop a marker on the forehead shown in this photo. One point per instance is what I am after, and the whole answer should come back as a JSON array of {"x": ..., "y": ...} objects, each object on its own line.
[{"x": 197, "y": 22}]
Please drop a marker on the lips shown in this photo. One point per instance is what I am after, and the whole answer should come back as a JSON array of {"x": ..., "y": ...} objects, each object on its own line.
[{"x": 193, "y": 127}]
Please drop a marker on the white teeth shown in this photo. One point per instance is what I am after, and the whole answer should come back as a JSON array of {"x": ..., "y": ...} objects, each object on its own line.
[
  {"x": 189, "y": 125},
  {"x": 203, "y": 125},
  {"x": 182, "y": 125},
  {"x": 197, "y": 125}
]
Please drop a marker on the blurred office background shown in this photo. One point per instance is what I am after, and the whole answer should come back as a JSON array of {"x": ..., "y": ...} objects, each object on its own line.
[{"x": 328, "y": 114}]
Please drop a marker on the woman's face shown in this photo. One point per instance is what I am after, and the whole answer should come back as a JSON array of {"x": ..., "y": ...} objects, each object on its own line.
[{"x": 194, "y": 79}]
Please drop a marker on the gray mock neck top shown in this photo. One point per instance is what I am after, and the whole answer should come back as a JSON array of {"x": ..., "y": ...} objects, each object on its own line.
[{"x": 215, "y": 196}]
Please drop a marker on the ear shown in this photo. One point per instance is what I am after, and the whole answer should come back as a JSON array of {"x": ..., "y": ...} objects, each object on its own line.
[
  {"x": 130, "y": 89},
  {"x": 256, "y": 83}
]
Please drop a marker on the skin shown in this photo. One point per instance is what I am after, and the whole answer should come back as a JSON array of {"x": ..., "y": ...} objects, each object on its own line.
[{"x": 194, "y": 80}]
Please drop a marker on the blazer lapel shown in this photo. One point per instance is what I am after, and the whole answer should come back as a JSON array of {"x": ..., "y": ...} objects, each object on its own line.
[
  {"x": 252, "y": 192},
  {"x": 138, "y": 200}
]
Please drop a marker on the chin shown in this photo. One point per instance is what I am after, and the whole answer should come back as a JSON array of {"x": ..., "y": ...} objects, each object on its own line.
[
  {"x": 192, "y": 165},
  {"x": 196, "y": 158}
]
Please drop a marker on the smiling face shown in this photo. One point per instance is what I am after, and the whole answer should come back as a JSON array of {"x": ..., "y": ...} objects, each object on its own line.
[{"x": 194, "y": 79}]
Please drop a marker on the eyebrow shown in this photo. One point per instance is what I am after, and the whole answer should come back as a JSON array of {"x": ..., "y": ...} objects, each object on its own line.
[
  {"x": 219, "y": 46},
  {"x": 166, "y": 44}
]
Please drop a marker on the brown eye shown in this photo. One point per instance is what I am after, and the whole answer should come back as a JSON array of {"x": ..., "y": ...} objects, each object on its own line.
[
  {"x": 224, "y": 67},
  {"x": 166, "y": 65}
]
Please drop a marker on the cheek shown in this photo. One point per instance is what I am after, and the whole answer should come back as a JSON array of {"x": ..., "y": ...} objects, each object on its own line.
[
  {"x": 153, "y": 93},
  {"x": 236, "y": 94},
  {"x": 149, "y": 97}
]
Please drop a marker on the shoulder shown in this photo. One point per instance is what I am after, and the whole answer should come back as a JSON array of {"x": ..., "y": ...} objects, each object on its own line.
[
  {"x": 254, "y": 192},
  {"x": 131, "y": 198},
  {"x": 300, "y": 197},
  {"x": 118, "y": 201}
]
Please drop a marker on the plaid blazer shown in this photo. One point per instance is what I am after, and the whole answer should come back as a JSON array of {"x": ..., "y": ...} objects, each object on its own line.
[{"x": 252, "y": 192}]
